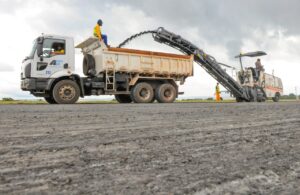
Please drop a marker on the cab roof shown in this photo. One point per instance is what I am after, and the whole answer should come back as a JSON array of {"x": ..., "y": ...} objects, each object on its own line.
[{"x": 53, "y": 36}]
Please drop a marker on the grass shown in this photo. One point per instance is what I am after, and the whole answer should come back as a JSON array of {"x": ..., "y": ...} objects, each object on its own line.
[
  {"x": 2, "y": 102},
  {"x": 204, "y": 101},
  {"x": 40, "y": 101},
  {"x": 20, "y": 102}
]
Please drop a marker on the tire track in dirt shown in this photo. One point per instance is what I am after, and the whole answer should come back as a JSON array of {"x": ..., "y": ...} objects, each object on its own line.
[{"x": 159, "y": 148}]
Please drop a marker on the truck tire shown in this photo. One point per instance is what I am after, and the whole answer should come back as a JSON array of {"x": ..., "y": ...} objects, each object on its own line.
[
  {"x": 238, "y": 99},
  {"x": 142, "y": 93},
  {"x": 88, "y": 65},
  {"x": 253, "y": 95},
  {"x": 66, "y": 92},
  {"x": 123, "y": 98},
  {"x": 276, "y": 98},
  {"x": 50, "y": 100},
  {"x": 165, "y": 93}
]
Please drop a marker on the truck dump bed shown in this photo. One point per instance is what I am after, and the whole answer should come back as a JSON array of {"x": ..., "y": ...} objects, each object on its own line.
[
  {"x": 147, "y": 62},
  {"x": 138, "y": 61}
]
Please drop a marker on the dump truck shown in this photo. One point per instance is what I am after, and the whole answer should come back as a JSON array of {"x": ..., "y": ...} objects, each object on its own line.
[{"x": 130, "y": 75}]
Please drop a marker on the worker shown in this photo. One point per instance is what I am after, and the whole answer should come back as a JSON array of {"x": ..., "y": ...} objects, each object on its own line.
[
  {"x": 258, "y": 67},
  {"x": 218, "y": 93},
  {"x": 58, "y": 51},
  {"x": 98, "y": 33}
]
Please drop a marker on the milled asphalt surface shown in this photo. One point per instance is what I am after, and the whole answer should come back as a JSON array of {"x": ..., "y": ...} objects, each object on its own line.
[{"x": 180, "y": 148}]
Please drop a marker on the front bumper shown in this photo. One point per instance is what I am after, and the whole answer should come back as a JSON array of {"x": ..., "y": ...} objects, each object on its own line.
[
  {"x": 28, "y": 84},
  {"x": 34, "y": 84}
]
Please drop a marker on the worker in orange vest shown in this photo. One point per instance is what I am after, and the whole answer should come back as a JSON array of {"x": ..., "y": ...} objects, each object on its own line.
[
  {"x": 98, "y": 33},
  {"x": 218, "y": 93}
]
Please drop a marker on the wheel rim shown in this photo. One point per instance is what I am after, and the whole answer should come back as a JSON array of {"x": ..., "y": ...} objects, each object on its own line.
[
  {"x": 144, "y": 93},
  {"x": 67, "y": 92},
  {"x": 168, "y": 94}
]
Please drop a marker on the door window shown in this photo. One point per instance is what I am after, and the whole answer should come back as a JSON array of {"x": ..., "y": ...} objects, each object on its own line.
[{"x": 53, "y": 47}]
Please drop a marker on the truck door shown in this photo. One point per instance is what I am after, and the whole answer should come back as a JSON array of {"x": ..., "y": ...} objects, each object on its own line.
[{"x": 52, "y": 60}]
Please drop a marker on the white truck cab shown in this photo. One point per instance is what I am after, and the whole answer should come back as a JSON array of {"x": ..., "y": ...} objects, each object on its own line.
[
  {"x": 51, "y": 57},
  {"x": 56, "y": 59}
]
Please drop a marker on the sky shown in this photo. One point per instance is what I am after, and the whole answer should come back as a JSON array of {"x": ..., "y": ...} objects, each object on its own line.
[{"x": 221, "y": 28}]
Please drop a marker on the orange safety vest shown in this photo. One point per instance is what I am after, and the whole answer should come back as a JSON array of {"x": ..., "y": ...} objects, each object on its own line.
[{"x": 218, "y": 93}]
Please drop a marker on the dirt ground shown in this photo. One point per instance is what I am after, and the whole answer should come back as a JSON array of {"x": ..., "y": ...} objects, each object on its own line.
[{"x": 180, "y": 148}]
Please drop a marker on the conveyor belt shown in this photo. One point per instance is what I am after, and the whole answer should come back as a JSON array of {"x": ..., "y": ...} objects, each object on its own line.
[{"x": 206, "y": 61}]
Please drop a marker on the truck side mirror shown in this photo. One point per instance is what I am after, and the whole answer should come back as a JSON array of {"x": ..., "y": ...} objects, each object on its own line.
[
  {"x": 39, "y": 49},
  {"x": 40, "y": 40}
]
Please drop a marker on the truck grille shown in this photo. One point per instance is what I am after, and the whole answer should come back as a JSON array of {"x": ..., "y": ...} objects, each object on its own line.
[{"x": 27, "y": 70}]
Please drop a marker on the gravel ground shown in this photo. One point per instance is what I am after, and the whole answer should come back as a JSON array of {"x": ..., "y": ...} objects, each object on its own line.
[{"x": 180, "y": 148}]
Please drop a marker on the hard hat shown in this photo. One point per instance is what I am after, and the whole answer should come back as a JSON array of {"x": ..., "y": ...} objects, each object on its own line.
[{"x": 100, "y": 22}]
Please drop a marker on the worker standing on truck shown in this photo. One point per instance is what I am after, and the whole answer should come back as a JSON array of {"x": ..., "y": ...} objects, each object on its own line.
[
  {"x": 218, "y": 93},
  {"x": 98, "y": 33},
  {"x": 258, "y": 67}
]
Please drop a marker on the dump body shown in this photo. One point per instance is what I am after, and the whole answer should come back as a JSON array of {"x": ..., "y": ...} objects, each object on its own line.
[{"x": 145, "y": 63}]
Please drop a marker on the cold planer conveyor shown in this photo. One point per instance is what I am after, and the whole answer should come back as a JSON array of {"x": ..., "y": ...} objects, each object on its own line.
[{"x": 206, "y": 61}]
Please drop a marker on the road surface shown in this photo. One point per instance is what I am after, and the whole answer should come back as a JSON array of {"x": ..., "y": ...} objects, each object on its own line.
[{"x": 180, "y": 148}]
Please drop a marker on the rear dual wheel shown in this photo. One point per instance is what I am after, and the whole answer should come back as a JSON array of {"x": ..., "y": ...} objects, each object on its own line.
[
  {"x": 142, "y": 93},
  {"x": 165, "y": 93}
]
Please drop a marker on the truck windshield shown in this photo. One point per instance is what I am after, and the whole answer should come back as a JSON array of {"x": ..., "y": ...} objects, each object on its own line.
[{"x": 31, "y": 54}]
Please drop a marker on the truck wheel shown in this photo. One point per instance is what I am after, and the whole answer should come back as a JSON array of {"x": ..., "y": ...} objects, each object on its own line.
[
  {"x": 50, "y": 100},
  {"x": 88, "y": 65},
  {"x": 276, "y": 98},
  {"x": 165, "y": 93},
  {"x": 142, "y": 93},
  {"x": 238, "y": 99},
  {"x": 66, "y": 92},
  {"x": 253, "y": 95},
  {"x": 123, "y": 99}
]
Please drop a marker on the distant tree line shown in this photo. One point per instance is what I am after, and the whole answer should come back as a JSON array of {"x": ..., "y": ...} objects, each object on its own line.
[
  {"x": 291, "y": 96},
  {"x": 7, "y": 99}
]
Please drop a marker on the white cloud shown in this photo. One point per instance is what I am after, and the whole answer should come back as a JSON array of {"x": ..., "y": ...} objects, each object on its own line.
[
  {"x": 22, "y": 21},
  {"x": 282, "y": 56},
  {"x": 6, "y": 67}
]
